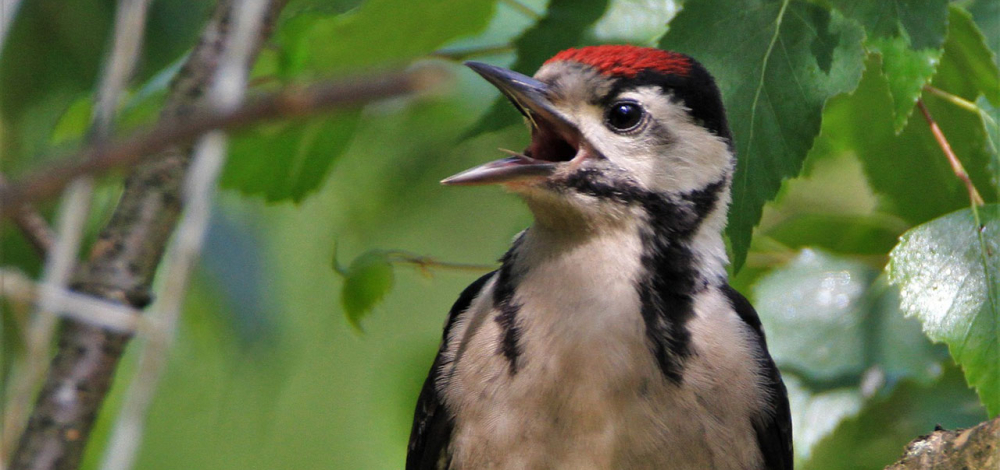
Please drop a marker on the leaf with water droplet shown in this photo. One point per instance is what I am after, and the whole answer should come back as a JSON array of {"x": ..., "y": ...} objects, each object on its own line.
[{"x": 948, "y": 272}]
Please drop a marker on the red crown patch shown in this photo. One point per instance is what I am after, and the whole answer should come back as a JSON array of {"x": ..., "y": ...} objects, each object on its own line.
[{"x": 626, "y": 61}]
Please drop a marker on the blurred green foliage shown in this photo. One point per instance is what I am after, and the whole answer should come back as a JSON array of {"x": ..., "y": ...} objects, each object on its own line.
[{"x": 266, "y": 372}]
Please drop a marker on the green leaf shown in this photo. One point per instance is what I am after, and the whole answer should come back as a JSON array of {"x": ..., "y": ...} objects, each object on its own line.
[
  {"x": 876, "y": 434},
  {"x": 991, "y": 122},
  {"x": 288, "y": 160},
  {"x": 908, "y": 34},
  {"x": 830, "y": 321},
  {"x": 948, "y": 272},
  {"x": 840, "y": 233},
  {"x": 967, "y": 70},
  {"x": 907, "y": 71},
  {"x": 813, "y": 310},
  {"x": 921, "y": 22},
  {"x": 986, "y": 13},
  {"x": 74, "y": 122},
  {"x": 908, "y": 171},
  {"x": 817, "y": 414},
  {"x": 776, "y": 63},
  {"x": 360, "y": 38},
  {"x": 366, "y": 282},
  {"x": 564, "y": 25}
]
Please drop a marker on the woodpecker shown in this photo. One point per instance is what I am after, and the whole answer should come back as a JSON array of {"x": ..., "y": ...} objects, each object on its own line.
[{"x": 609, "y": 338}]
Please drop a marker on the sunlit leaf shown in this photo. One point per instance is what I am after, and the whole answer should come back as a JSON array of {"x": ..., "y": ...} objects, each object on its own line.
[
  {"x": 948, "y": 272},
  {"x": 776, "y": 63},
  {"x": 366, "y": 282},
  {"x": 563, "y": 26}
]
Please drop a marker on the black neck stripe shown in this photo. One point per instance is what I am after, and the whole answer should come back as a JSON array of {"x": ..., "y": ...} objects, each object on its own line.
[{"x": 503, "y": 300}]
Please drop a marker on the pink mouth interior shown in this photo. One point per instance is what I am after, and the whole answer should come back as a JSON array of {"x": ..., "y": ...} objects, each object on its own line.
[{"x": 549, "y": 145}]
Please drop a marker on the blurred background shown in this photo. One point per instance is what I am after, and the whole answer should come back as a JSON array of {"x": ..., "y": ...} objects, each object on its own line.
[{"x": 266, "y": 371}]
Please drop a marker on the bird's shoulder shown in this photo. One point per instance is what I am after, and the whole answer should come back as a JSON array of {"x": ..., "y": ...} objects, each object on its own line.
[
  {"x": 432, "y": 422},
  {"x": 774, "y": 426}
]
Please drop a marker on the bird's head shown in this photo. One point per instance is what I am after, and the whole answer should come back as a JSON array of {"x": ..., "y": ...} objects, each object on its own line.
[{"x": 614, "y": 129}]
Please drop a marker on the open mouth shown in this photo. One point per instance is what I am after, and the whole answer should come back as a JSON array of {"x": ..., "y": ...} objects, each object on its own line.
[{"x": 554, "y": 139}]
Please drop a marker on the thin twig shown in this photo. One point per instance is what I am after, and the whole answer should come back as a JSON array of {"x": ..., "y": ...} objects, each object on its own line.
[
  {"x": 228, "y": 88},
  {"x": 32, "y": 225},
  {"x": 424, "y": 263},
  {"x": 288, "y": 103},
  {"x": 956, "y": 165},
  {"x": 18, "y": 287}
]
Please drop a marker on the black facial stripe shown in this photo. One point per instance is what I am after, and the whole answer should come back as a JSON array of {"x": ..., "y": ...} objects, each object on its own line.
[
  {"x": 503, "y": 300},
  {"x": 671, "y": 281}
]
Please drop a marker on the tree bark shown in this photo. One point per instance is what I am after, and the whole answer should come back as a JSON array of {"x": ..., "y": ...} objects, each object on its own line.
[
  {"x": 120, "y": 268},
  {"x": 964, "y": 449}
]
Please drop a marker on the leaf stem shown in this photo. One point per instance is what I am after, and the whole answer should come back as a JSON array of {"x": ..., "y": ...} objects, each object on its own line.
[
  {"x": 337, "y": 267},
  {"x": 956, "y": 165},
  {"x": 424, "y": 263},
  {"x": 953, "y": 99}
]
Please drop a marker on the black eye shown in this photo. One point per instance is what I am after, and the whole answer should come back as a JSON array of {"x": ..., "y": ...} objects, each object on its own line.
[{"x": 624, "y": 116}]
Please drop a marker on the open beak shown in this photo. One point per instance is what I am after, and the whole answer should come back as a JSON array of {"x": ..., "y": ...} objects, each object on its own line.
[{"x": 554, "y": 139}]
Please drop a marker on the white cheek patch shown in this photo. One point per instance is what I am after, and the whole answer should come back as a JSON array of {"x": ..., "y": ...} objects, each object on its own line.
[{"x": 671, "y": 154}]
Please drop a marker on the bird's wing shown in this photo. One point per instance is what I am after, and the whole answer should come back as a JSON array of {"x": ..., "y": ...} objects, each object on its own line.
[
  {"x": 432, "y": 423},
  {"x": 774, "y": 429}
]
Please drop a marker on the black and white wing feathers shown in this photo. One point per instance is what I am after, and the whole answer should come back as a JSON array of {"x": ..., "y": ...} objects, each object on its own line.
[
  {"x": 774, "y": 429},
  {"x": 432, "y": 422}
]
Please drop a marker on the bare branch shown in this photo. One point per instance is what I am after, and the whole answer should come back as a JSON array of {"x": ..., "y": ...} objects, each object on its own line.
[
  {"x": 976, "y": 447},
  {"x": 121, "y": 266},
  {"x": 227, "y": 91},
  {"x": 956, "y": 165},
  {"x": 130, "y": 20},
  {"x": 289, "y": 103}
]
